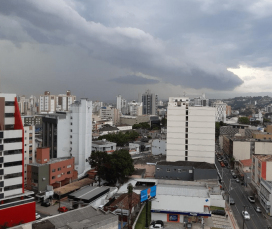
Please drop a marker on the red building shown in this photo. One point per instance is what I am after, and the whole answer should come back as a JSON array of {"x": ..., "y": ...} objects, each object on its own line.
[
  {"x": 46, "y": 171},
  {"x": 16, "y": 204}
]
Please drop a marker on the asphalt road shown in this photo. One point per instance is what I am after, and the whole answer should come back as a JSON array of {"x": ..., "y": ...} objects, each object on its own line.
[{"x": 239, "y": 194}]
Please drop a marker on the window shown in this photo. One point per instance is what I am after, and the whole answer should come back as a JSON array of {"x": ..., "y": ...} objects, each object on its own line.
[
  {"x": 59, "y": 168},
  {"x": 69, "y": 166},
  {"x": 59, "y": 175},
  {"x": 69, "y": 172},
  {"x": 53, "y": 170},
  {"x": 53, "y": 177}
]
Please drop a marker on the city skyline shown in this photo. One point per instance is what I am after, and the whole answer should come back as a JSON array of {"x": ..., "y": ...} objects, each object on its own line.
[{"x": 101, "y": 49}]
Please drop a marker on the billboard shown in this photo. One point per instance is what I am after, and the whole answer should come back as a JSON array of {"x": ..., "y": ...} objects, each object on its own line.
[{"x": 148, "y": 193}]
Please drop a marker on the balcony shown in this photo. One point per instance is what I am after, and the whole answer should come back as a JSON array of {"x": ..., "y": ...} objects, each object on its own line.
[
  {"x": 13, "y": 181},
  {"x": 13, "y": 169},
  {"x": 14, "y": 157},
  {"x": 13, "y": 192},
  {"x": 9, "y": 109},
  {"x": 13, "y": 146}
]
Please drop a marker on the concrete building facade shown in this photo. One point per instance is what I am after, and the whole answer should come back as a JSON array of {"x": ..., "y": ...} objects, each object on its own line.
[
  {"x": 149, "y": 102},
  {"x": 190, "y": 131},
  {"x": 220, "y": 111},
  {"x": 70, "y": 134},
  {"x": 103, "y": 146},
  {"x": 158, "y": 147}
]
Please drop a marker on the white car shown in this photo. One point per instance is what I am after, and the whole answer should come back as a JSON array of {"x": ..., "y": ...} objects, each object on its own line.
[
  {"x": 246, "y": 215},
  {"x": 251, "y": 199},
  {"x": 38, "y": 216}
]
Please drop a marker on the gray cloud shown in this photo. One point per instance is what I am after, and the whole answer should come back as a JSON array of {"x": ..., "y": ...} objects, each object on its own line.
[
  {"x": 57, "y": 23},
  {"x": 134, "y": 80}
]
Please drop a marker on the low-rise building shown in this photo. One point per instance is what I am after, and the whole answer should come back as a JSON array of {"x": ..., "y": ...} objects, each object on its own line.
[
  {"x": 265, "y": 195},
  {"x": 55, "y": 172},
  {"x": 103, "y": 146},
  {"x": 185, "y": 170}
]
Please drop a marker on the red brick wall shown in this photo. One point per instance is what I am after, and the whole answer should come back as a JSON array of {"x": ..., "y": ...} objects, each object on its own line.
[
  {"x": 43, "y": 155},
  {"x": 62, "y": 165}
]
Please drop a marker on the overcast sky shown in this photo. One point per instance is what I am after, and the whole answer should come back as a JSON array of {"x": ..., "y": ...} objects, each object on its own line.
[{"x": 99, "y": 49}]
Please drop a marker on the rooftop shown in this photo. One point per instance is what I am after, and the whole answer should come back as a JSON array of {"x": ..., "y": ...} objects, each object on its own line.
[
  {"x": 246, "y": 162},
  {"x": 73, "y": 186},
  {"x": 195, "y": 164},
  {"x": 124, "y": 202},
  {"x": 51, "y": 161},
  {"x": 102, "y": 142},
  {"x": 263, "y": 157},
  {"x": 89, "y": 193},
  {"x": 178, "y": 190},
  {"x": 149, "y": 159}
]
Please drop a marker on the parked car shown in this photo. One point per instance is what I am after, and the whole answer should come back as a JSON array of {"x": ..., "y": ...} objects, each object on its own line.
[
  {"x": 63, "y": 209},
  {"x": 234, "y": 176},
  {"x": 45, "y": 204},
  {"x": 38, "y": 216},
  {"x": 258, "y": 209},
  {"x": 222, "y": 164},
  {"x": 156, "y": 224},
  {"x": 246, "y": 215},
  {"x": 231, "y": 200},
  {"x": 219, "y": 212},
  {"x": 251, "y": 199},
  {"x": 237, "y": 180}
]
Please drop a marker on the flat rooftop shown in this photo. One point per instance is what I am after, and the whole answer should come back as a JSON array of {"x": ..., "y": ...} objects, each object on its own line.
[
  {"x": 101, "y": 142},
  {"x": 150, "y": 159},
  {"x": 195, "y": 164},
  {"x": 182, "y": 190},
  {"x": 51, "y": 161}
]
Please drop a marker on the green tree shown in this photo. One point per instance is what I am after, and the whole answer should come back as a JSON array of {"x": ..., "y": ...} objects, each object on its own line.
[
  {"x": 98, "y": 161},
  {"x": 164, "y": 122},
  {"x": 118, "y": 167},
  {"x": 120, "y": 138},
  {"x": 243, "y": 120}
]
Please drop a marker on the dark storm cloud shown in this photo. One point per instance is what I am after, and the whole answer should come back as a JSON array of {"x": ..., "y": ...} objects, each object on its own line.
[
  {"x": 134, "y": 80},
  {"x": 189, "y": 43}
]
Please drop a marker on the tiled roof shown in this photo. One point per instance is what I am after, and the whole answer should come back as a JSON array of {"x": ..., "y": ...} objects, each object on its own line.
[
  {"x": 124, "y": 202},
  {"x": 246, "y": 162}
]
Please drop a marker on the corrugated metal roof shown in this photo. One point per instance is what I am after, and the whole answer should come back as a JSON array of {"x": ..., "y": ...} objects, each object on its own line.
[{"x": 88, "y": 192}]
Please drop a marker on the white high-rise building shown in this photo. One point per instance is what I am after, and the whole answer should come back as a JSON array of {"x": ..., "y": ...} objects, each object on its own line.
[
  {"x": 190, "y": 131},
  {"x": 121, "y": 104},
  {"x": 49, "y": 104},
  {"x": 70, "y": 134},
  {"x": 220, "y": 111},
  {"x": 134, "y": 108}
]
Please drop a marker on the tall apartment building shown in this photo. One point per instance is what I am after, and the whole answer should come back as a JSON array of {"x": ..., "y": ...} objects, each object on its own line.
[
  {"x": 220, "y": 111},
  {"x": 49, "y": 104},
  {"x": 121, "y": 104},
  {"x": 190, "y": 131},
  {"x": 201, "y": 101},
  {"x": 70, "y": 134},
  {"x": 96, "y": 106},
  {"x": 150, "y": 103},
  {"x": 15, "y": 204},
  {"x": 134, "y": 108}
]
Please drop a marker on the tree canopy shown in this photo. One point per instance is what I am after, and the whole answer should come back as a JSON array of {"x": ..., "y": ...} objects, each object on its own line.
[
  {"x": 112, "y": 167},
  {"x": 243, "y": 120},
  {"x": 120, "y": 138},
  {"x": 142, "y": 125}
]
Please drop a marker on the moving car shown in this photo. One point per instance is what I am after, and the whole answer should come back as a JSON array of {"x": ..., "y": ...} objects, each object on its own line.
[
  {"x": 38, "y": 216},
  {"x": 231, "y": 200},
  {"x": 156, "y": 224},
  {"x": 219, "y": 212},
  {"x": 234, "y": 176},
  {"x": 251, "y": 199},
  {"x": 237, "y": 180},
  {"x": 246, "y": 215},
  {"x": 258, "y": 209},
  {"x": 63, "y": 209}
]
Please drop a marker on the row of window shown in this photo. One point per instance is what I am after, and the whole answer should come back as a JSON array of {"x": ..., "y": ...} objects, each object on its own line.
[
  {"x": 53, "y": 177},
  {"x": 176, "y": 170},
  {"x": 59, "y": 168}
]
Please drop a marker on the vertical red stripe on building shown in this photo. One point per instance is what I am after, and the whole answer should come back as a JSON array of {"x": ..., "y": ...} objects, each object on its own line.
[
  {"x": 264, "y": 170},
  {"x": 18, "y": 125}
]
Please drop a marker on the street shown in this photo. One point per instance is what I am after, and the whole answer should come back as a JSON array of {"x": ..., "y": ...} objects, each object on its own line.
[{"x": 240, "y": 193}]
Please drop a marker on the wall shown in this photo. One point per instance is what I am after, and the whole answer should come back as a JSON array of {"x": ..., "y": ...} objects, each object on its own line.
[
  {"x": 205, "y": 174},
  {"x": 176, "y": 172},
  {"x": 158, "y": 147},
  {"x": 263, "y": 148},
  {"x": 241, "y": 150},
  {"x": 269, "y": 170},
  {"x": 19, "y": 214}
]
